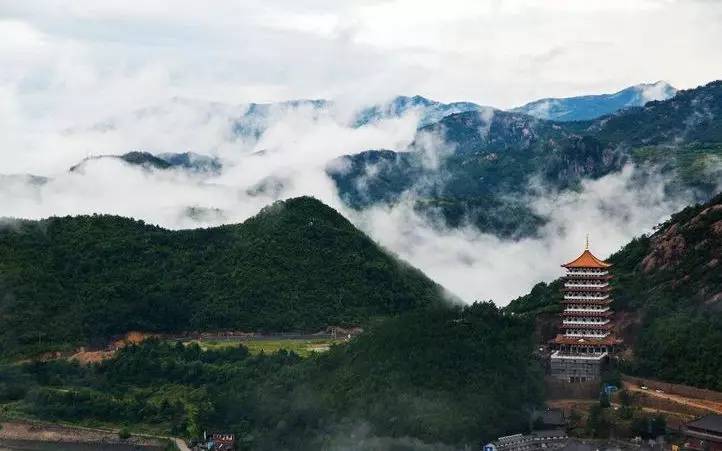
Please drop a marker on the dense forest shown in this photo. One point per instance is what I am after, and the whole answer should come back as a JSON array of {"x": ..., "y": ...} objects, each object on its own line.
[
  {"x": 298, "y": 265},
  {"x": 443, "y": 376},
  {"x": 671, "y": 285}
]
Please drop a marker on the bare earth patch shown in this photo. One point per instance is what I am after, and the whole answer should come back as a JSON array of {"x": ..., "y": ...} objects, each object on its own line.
[{"x": 45, "y": 432}]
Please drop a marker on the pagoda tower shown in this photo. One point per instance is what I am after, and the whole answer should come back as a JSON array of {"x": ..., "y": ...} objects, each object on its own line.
[{"x": 586, "y": 338}]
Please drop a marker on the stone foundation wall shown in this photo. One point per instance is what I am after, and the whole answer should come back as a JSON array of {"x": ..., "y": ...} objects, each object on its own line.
[
  {"x": 576, "y": 370},
  {"x": 559, "y": 389}
]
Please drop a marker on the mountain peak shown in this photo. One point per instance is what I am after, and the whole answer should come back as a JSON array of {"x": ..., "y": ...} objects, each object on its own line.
[
  {"x": 430, "y": 111},
  {"x": 659, "y": 90},
  {"x": 589, "y": 107},
  {"x": 298, "y": 265},
  {"x": 137, "y": 158}
]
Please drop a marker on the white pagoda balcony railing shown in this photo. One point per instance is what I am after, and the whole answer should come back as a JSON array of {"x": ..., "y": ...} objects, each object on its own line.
[
  {"x": 585, "y": 285},
  {"x": 586, "y": 334},
  {"x": 589, "y": 297},
  {"x": 590, "y": 309},
  {"x": 584, "y": 272},
  {"x": 578, "y": 355},
  {"x": 596, "y": 323}
]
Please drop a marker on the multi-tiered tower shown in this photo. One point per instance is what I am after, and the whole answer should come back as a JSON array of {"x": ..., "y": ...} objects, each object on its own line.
[{"x": 586, "y": 337}]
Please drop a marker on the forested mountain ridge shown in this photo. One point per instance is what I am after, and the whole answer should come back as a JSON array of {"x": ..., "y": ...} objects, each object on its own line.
[
  {"x": 186, "y": 160},
  {"x": 589, "y": 107},
  {"x": 668, "y": 290},
  {"x": 428, "y": 110},
  {"x": 297, "y": 265},
  {"x": 477, "y": 168}
]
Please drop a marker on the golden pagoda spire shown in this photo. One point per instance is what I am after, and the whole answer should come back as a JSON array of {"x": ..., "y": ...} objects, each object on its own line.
[{"x": 586, "y": 244}]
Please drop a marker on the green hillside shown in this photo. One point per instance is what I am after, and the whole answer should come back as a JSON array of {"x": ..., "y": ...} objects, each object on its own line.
[
  {"x": 425, "y": 379},
  {"x": 669, "y": 287},
  {"x": 297, "y": 265}
]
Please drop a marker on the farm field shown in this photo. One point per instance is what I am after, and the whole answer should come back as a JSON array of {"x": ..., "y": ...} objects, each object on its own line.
[{"x": 301, "y": 346}]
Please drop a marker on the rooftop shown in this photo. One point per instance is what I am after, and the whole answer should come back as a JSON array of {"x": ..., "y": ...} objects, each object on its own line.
[
  {"x": 586, "y": 260},
  {"x": 712, "y": 423},
  {"x": 554, "y": 417}
]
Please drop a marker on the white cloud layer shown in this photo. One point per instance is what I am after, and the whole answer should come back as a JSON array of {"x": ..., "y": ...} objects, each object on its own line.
[{"x": 476, "y": 266}]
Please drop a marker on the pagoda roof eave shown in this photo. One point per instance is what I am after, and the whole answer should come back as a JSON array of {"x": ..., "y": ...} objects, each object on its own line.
[
  {"x": 587, "y": 260},
  {"x": 609, "y": 340}
]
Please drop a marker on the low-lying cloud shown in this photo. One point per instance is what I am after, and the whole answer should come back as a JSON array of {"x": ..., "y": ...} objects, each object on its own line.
[
  {"x": 291, "y": 155},
  {"x": 479, "y": 266}
]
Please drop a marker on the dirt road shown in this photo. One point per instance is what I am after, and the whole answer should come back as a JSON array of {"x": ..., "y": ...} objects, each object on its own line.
[
  {"x": 32, "y": 431},
  {"x": 704, "y": 404}
]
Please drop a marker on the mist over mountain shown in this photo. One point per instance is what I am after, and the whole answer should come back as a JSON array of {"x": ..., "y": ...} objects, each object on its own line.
[
  {"x": 429, "y": 111},
  {"x": 483, "y": 168},
  {"x": 593, "y": 106},
  {"x": 250, "y": 121},
  {"x": 467, "y": 187},
  {"x": 188, "y": 161}
]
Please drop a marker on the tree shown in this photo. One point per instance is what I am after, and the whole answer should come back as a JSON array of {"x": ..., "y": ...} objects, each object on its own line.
[
  {"x": 124, "y": 433},
  {"x": 598, "y": 425}
]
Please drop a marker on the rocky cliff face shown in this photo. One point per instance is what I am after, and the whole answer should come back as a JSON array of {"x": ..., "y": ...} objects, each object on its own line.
[{"x": 690, "y": 246}]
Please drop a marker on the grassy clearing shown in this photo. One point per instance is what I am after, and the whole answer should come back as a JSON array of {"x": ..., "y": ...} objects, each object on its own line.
[{"x": 302, "y": 347}]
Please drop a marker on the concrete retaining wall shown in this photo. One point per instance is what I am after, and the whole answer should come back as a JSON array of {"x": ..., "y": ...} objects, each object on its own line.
[{"x": 558, "y": 389}]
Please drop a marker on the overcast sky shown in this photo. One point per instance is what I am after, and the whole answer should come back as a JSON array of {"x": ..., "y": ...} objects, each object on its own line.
[{"x": 69, "y": 60}]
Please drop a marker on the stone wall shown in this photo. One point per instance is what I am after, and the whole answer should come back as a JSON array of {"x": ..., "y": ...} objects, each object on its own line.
[
  {"x": 559, "y": 389},
  {"x": 563, "y": 369}
]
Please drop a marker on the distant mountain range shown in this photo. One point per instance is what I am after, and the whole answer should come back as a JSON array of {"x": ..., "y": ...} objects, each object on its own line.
[
  {"x": 481, "y": 174},
  {"x": 250, "y": 121},
  {"x": 258, "y": 116},
  {"x": 187, "y": 160},
  {"x": 593, "y": 106},
  {"x": 429, "y": 111}
]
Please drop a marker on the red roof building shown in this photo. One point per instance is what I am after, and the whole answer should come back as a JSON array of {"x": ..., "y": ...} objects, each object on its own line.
[
  {"x": 586, "y": 332},
  {"x": 222, "y": 441}
]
